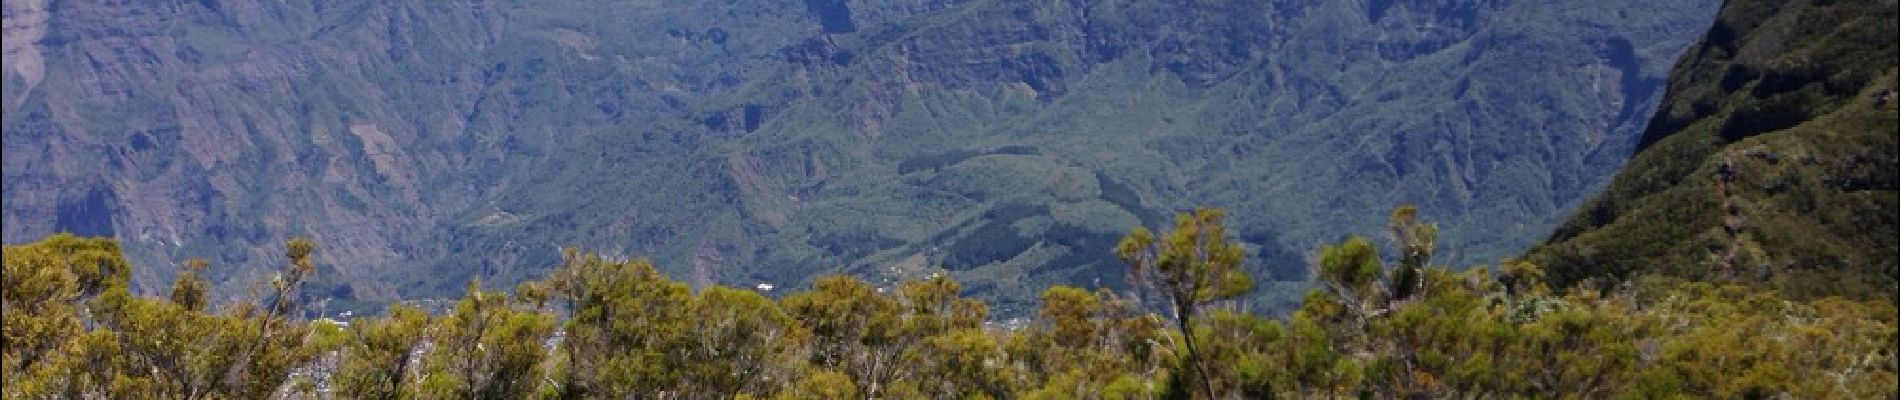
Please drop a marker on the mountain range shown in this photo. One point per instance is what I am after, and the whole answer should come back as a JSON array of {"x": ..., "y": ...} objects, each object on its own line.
[{"x": 1005, "y": 143}]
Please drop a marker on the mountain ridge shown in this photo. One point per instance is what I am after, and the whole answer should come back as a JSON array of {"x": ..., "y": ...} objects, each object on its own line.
[{"x": 1770, "y": 162}]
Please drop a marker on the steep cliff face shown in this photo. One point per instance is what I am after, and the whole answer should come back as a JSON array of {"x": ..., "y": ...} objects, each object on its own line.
[
  {"x": 1772, "y": 161},
  {"x": 1009, "y": 142},
  {"x": 215, "y": 129}
]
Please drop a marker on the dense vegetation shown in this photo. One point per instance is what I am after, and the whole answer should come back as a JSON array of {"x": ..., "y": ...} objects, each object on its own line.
[
  {"x": 1385, "y": 323},
  {"x": 1771, "y": 161}
]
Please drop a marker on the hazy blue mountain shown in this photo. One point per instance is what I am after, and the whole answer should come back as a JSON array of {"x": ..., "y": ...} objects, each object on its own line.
[{"x": 1007, "y": 143}]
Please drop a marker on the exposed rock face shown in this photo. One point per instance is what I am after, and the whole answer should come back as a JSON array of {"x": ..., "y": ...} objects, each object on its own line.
[
  {"x": 24, "y": 25},
  {"x": 421, "y": 144},
  {"x": 1771, "y": 162}
]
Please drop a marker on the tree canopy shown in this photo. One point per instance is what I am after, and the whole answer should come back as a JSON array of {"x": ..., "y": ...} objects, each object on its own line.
[{"x": 1385, "y": 322}]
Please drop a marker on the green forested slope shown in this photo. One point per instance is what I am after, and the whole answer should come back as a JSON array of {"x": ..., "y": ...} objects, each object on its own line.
[{"x": 1773, "y": 161}]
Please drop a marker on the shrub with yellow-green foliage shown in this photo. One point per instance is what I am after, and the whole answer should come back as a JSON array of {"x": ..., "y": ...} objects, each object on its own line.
[
  {"x": 73, "y": 329},
  {"x": 601, "y": 328}
]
